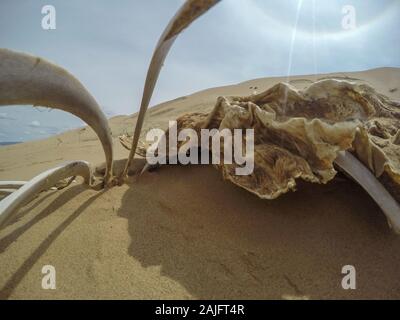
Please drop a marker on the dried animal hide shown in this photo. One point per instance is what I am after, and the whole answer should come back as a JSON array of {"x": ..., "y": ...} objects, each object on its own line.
[{"x": 298, "y": 134}]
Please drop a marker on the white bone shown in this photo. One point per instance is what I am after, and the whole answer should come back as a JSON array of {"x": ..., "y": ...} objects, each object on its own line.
[
  {"x": 42, "y": 182},
  {"x": 189, "y": 11},
  {"x": 25, "y": 79},
  {"x": 353, "y": 167}
]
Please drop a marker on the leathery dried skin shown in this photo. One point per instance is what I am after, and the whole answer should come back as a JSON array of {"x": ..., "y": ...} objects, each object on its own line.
[{"x": 298, "y": 133}]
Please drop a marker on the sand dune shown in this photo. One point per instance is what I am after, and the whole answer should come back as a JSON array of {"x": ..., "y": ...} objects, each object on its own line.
[{"x": 182, "y": 232}]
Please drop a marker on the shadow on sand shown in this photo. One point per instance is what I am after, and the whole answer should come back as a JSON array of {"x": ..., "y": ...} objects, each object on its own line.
[
  {"x": 220, "y": 241},
  {"x": 19, "y": 274}
]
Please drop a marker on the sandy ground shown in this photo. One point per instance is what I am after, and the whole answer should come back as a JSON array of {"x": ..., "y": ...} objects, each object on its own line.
[{"x": 183, "y": 233}]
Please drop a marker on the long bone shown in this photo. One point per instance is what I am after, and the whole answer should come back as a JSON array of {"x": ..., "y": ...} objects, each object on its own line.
[
  {"x": 191, "y": 10},
  {"x": 42, "y": 182},
  {"x": 360, "y": 173},
  {"x": 25, "y": 79}
]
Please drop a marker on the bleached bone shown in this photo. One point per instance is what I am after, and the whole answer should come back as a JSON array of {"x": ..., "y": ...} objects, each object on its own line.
[
  {"x": 11, "y": 184},
  {"x": 190, "y": 11},
  {"x": 353, "y": 167},
  {"x": 40, "y": 183},
  {"x": 25, "y": 79}
]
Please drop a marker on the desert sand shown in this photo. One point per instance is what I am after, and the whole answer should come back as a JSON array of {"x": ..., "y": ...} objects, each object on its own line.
[{"x": 181, "y": 232}]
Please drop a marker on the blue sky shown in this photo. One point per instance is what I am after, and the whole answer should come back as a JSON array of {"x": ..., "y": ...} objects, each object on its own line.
[{"x": 107, "y": 45}]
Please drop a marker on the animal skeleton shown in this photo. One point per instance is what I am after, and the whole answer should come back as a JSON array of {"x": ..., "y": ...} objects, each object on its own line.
[
  {"x": 25, "y": 79},
  {"x": 29, "y": 80}
]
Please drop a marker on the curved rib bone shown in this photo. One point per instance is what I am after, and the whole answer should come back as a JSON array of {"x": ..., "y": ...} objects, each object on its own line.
[
  {"x": 42, "y": 182},
  {"x": 353, "y": 167},
  {"x": 190, "y": 11},
  {"x": 25, "y": 79}
]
